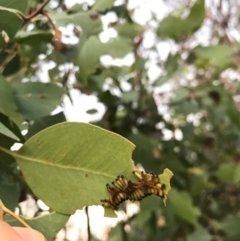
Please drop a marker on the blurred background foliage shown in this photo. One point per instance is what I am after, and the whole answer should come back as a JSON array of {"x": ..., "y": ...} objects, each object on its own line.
[{"x": 182, "y": 114}]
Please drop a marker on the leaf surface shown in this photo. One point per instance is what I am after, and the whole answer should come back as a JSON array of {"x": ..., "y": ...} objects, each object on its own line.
[
  {"x": 10, "y": 21},
  {"x": 73, "y": 162},
  {"x": 35, "y": 99},
  {"x": 48, "y": 224}
]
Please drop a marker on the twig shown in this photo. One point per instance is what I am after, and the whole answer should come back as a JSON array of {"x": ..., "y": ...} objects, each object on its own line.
[
  {"x": 88, "y": 225},
  {"x": 4, "y": 210},
  {"x": 26, "y": 19},
  {"x": 11, "y": 54},
  {"x": 123, "y": 232},
  {"x": 37, "y": 12},
  {"x": 57, "y": 32}
]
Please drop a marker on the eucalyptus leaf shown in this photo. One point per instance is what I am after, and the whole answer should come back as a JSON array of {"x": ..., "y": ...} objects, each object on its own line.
[
  {"x": 11, "y": 22},
  {"x": 103, "y": 5},
  {"x": 182, "y": 205},
  {"x": 89, "y": 56},
  {"x": 35, "y": 99},
  {"x": 48, "y": 224},
  {"x": 200, "y": 234},
  {"x": 73, "y": 162},
  {"x": 4, "y": 130}
]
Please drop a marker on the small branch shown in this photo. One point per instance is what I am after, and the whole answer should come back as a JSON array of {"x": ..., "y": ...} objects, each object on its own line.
[
  {"x": 123, "y": 232},
  {"x": 4, "y": 210},
  {"x": 26, "y": 19},
  {"x": 1, "y": 210},
  {"x": 37, "y": 12},
  {"x": 11, "y": 54},
  {"x": 57, "y": 32},
  {"x": 88, "y": 225},
  {"x": 138, "y": 77}
]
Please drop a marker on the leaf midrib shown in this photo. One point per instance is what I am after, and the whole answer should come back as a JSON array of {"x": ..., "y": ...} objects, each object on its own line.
[{"x": 25, "y": 158}]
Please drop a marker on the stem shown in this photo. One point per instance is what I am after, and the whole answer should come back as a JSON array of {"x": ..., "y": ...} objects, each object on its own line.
[
  {"x": 12, "y": 53},
  {"x": 58, "y": 33},
  {"x": 6, "y": 151},
  {"x": 123, "y": 232},
  {"x": 4, "y": 210},
  {"x": 26, "y": 19},
  {"x": 88, "y": 224},
  {"x": 37, "y": 12},
  {"x": 1, "y": 210}
]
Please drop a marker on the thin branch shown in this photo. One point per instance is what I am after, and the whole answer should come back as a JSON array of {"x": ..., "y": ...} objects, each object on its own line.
[
  {"x": 123, "y": 232},
  {"x": 4, "y": 210},
  {"x": 11, "y": 54},
  {"x": 57, "y": 32},
  {"x": 88, "y": 225},
  {"x": 37, "y": 12}
]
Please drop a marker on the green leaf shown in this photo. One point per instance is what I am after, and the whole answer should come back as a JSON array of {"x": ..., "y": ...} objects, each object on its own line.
[
  {"x": 89, "y": 22},
  {"x": 165, "y": 178},
  {"x": 181, "y": 203},
  {"x": 173, "y": 27},
  {"x": 5, "y": 131},
  {"x": 9, "y": 194},
  {"x": 171, "y": 66},
  {"x": 231, "y": 227},
  {"x": 7, "y": 104},
  {"x": 148, "y": 205},
  {"x": 49, "y": 224},
  {"x": 5, "y": 142},
  {"x": 226, "y": 171},
  {"x": 73, "y": 162},
  {"x": 118, "y": 48},
  {"x": 180, "y": 94},
  {"x": 236, "y": 178},
  {"x": 115, "y": 233},
  {"x": 10, "y": 21},
  {"x": 129, "y": 30},
  {"x": 130, "y": 96},
  {"x": 10, "y": 125},
  {"x": 198, "y": 184},
  {"x": 35, "y": 99},
  {"x": 233, "y": 113},
  {"x": 9, "y": 189},
  {"x": 44, "y": 122},
  {"x": 197, "y": 15},
  {"x": 89, "y": 56},
  {"x": 219, "y": 56},
  {"x": 199, "y": 234},
  {"x": 33, "y": 37},
  {"x": 178, "y": 28},
  {"x": 57, "y": 57},
  {"x": 103, "y": 5},
  {"x": 13, "y": 66},
  {"x": 18, "y": 5},
  {"x": 229, "y": 172},
  {"x": 144, "y": 151},
  {"x": 91, "y": 111}
]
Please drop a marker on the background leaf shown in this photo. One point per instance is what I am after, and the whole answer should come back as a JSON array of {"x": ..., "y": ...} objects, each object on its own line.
[
  {"x": 103, "y": 5},
  {"x": 182, "y": 206},
  {"x": 35, "y": 99},
  {"x": 88, "y": 62},
  {"x": 48, "y": 224},
  {"x": 200, "y": 234},
  {"x": 11, "y": 23}
]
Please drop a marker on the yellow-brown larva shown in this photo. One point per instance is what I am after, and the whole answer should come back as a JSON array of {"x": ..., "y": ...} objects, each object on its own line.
[{"x": 123, "y": 189}]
